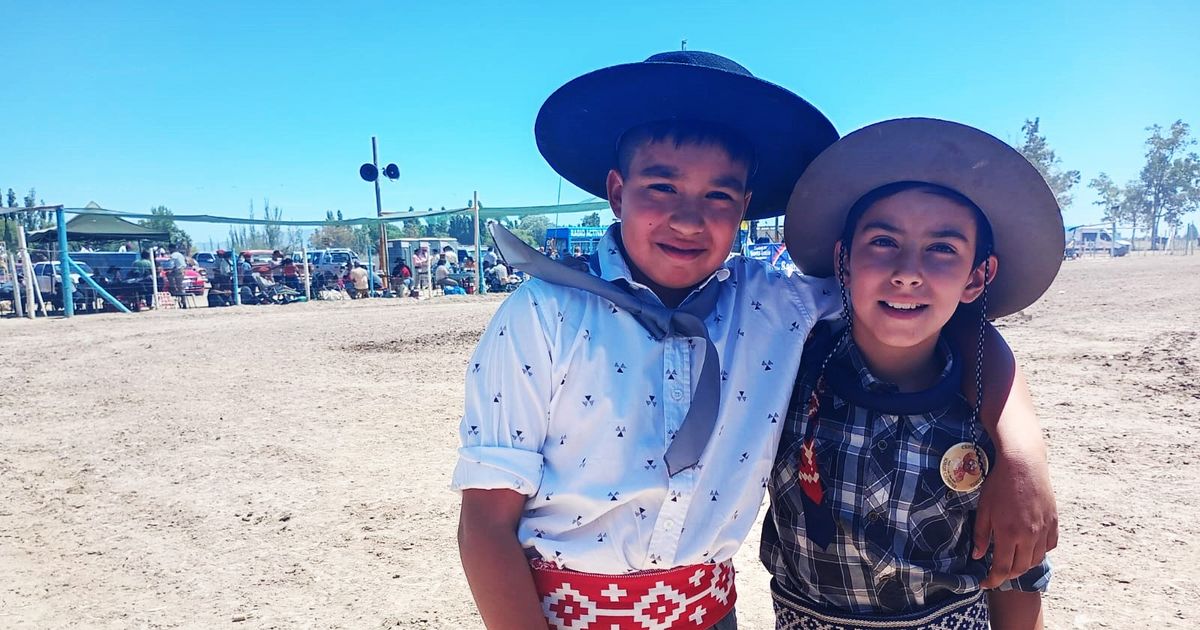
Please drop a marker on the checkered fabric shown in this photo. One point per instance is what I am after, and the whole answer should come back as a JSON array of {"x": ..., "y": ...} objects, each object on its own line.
[{"x": 889, "y": 537}]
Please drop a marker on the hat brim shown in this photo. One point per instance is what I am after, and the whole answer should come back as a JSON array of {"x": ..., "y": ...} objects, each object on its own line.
[
  {"x": 578, "y": 126},
  {"x": 1022, "y": 210}
]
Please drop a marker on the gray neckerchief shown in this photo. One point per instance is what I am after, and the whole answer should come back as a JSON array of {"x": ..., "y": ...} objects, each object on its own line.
[{"x": 661, "y": 322}]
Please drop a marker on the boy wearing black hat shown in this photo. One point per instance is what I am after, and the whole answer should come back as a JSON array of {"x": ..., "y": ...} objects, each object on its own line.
[
  {"x": 880, "y": 465},
  {"x": 603, "y": 444}
]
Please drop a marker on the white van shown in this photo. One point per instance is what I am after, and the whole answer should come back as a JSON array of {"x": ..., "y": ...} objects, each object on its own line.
[{"x": 1093, "y": 239}]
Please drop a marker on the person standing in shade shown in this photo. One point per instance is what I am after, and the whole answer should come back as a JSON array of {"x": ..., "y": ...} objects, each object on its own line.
[{"x": 175, "y": 273}]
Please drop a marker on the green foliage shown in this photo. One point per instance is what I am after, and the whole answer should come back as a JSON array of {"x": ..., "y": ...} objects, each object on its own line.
[
  {"x": 163, "y": 220},
  {"x": 12, "y": 198},
  {"x": 1038, "y": 152},
  {"x": 591, "y": 220},
  {"x": 1170, "y": 180},
  {"x": 462, "y": 228},
  {"x": 272, "y": 233}
]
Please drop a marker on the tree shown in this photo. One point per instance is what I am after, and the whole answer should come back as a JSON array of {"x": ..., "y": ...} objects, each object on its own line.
[
  {"x": 163, "y": 220},
  {"x": 591, "y": 220},
  {"x": 1170, "y": 180},
  {"x": 462, "y": 228},
  {"x": 534, "y": 226},
  {"x": 1038, "y": 152},
  {"x": 272, "y": 232},
  {"x": 12, "y": 198}
]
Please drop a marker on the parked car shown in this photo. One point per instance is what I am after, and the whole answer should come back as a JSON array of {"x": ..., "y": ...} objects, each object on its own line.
[
  {"x": 1093, "y": 239},
  {"x": 331, "y": 261},
  {"x": 48, "y": 277},
  {"x": 206, "y": 261},
  {"x": 195, "y": 279}
]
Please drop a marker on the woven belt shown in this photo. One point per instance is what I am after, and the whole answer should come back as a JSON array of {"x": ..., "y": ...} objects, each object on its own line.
[
  {"x": 968, "y": 612},
  {"x": 684, "y": 598}
]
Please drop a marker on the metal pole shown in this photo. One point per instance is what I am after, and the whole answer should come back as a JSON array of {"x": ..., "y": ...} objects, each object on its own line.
[
  {"x": 383, "y": 255},
  {"x": 27, "y": 263},
  {"x": 307, "y": 272},
  {"x": 237, "y": 271},
  {"x": 68, "y": 287},
  {"x": 153, "y": 279},
  {"x": 478, "y": 258},
  {"x": 370, "y": 273},
  {"x": 16, "y": 286}
]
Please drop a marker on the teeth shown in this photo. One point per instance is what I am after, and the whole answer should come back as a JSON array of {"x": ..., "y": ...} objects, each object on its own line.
[{"x": 901, "y": 306}]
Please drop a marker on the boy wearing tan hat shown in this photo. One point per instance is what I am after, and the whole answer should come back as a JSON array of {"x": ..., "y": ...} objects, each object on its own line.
[{"x": 881, "y": 462}]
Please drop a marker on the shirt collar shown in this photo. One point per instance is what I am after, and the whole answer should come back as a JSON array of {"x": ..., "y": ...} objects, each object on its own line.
[
  {"x": 855, "y": 383},
  {"x": 610, "y": 264}
]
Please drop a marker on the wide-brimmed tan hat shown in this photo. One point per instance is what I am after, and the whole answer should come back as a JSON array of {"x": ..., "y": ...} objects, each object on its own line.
[{"x": 1023, "y": 212}]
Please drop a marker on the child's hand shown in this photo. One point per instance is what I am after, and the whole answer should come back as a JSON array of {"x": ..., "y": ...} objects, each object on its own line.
[{"x": 1018, "y": 513}]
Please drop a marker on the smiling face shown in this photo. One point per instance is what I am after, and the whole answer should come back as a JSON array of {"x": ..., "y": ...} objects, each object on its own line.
[
  {"x": 680, "y": 207},
  {"x": 909, "y": 266}
]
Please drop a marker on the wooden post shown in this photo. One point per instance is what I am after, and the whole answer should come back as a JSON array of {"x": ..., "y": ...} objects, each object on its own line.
[
  {"x": 478, "y": 258},
  {"x": 307, "y": 272},
  {"x": 27, "y": 264},
  {"x": 16, "y": 286},
  {"x": 153, "y": 279}
]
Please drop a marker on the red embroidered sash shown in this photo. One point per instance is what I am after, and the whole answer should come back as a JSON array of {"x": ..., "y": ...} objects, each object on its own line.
[{"x": 684, "y": 598}]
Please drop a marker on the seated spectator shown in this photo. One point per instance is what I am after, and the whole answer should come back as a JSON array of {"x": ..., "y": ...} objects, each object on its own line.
[{"x": 291, "y": 275}]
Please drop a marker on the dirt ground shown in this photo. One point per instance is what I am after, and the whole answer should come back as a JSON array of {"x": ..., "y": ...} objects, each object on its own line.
[{"x": 287, "y": 466}]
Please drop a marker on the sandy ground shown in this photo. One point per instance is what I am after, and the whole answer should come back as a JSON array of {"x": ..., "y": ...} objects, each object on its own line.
[{"x": 279, "y": 467}]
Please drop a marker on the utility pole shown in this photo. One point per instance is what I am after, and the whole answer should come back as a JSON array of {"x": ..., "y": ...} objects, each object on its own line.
[{"x": 370, "y": 172}]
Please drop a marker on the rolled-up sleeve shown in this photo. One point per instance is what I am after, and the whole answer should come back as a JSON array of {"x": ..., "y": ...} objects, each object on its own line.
[
  {"x": 508, "y": 388},
  {"x": 1034, "y": 580}
]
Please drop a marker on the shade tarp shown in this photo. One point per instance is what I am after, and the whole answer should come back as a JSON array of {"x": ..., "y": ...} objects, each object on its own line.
[
  {"x": 485, "y": 212},
  {"x": 99, "y": 227}
]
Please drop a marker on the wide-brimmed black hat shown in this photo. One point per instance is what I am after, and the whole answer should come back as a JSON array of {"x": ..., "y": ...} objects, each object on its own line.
[
  {"x": 580, "y": 124},
  {"x": 1026, "y": 222}
]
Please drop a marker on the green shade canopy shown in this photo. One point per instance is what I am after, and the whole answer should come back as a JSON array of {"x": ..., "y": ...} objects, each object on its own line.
[{"x": 99, "y": 227}]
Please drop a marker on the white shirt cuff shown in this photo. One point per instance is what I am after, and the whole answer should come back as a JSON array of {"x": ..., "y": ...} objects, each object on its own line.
[{"x": 497, "y": 468}]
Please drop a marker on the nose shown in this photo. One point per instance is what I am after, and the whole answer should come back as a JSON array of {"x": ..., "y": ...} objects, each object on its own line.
[
  {"x": 688, "y": 218},
  {"x": 907, "y": 273}
]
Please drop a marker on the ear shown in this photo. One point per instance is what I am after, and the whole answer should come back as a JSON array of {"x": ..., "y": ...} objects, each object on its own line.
[
  {"x": 837, "y": 255},
  {"x": 977, "y": 280},
  {"x": 616, "y": 186},
  {"x": 746, "y": 203}
]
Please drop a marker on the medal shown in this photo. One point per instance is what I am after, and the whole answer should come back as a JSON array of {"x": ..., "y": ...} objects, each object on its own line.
[{"x": 963, "y": 467}]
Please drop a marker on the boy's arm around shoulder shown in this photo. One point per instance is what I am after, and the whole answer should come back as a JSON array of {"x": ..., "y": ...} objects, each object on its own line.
[
  {"x": 508, "y": 388},
  {"x": 1017, "y": 512},
  {"x": 1017, "y": 603}
]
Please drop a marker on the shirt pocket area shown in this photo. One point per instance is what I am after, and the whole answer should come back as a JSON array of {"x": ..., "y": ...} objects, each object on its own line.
[{"x": 941, "y": 518}]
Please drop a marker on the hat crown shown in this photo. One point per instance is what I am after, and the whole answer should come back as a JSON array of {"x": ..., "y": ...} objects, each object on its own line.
[{"x": 699, "y": 58}]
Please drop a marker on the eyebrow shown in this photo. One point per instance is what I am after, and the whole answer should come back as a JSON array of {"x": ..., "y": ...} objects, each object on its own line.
[
  {"x": 943, "y": 233},
  {"x": 729, "y": 181},
  {"x": 659, "y": 170}
]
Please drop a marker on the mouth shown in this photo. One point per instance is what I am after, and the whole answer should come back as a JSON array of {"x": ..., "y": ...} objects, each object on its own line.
[
  {"x": 681, "y": 253},
  {"x": 902, "y": 310}
]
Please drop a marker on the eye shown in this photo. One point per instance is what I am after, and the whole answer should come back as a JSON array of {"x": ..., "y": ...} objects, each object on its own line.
[
  {"x": 720, "y": 196},
  {"x": 944, "y": 248},
  {"x": 882, "y": 241},
  {"x": 666, "y": 188}
]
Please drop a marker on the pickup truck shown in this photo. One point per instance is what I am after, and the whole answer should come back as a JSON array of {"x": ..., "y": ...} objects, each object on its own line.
[{"x": 49, "y": 281}]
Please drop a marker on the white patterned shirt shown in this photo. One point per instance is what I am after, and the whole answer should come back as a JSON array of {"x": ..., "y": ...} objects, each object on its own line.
[{"x": 570, "y": 402}]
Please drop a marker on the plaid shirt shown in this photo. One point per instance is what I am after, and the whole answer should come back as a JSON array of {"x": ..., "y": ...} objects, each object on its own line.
[{"x": 901, "y": 539}]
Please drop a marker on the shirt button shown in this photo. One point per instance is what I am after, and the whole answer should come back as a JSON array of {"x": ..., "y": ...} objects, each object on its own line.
[
  {"x": 676, "y": 394},
  {"x": 881, "y": 445},
  {"x": 873, "y": 516}
]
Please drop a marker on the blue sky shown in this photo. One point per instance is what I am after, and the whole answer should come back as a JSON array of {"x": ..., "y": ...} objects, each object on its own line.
[{"x": 204, "y": 106}]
